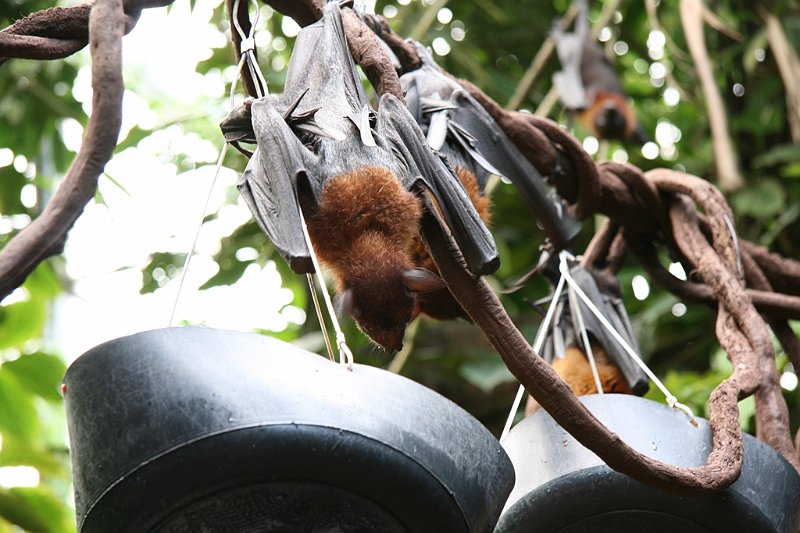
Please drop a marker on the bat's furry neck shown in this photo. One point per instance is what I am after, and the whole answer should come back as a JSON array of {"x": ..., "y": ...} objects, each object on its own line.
[{"x": 365, "y": 220}]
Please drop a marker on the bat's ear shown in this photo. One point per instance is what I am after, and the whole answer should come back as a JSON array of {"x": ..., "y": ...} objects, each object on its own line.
[
  {"x": 421, "y": 281},
  {"x": 346, "y": 304}
]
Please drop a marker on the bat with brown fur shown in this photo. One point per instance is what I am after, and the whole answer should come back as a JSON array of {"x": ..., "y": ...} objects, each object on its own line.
[
  {"x": 361, "y": 178},
  {"x": 588, "y": 86},
  {"x": 564, "y": 345},
  {"x": 575, "y": 370},
  {"x": 460, "y": 128}
]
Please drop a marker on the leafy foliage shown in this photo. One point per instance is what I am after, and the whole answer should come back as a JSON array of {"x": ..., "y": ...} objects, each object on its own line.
[
  {"x": 489, "y": 43},
  {"x": 32, "y": 423}
]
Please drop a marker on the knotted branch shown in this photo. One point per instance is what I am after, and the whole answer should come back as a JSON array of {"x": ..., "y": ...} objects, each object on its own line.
[{"x": 51, "y": 34}]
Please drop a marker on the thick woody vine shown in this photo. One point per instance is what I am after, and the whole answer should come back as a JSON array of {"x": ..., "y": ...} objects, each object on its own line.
[{"x": 682, "y": 213}]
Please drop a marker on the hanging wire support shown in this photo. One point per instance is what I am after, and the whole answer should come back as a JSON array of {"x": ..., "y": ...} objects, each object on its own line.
[
  {"x": 320, "y": 317},
  {"x": 587, "y": 346},
  {"x": 541, "y": 333},
  {"x": 671, "y": 400},
  {"x": 189, "y": 255},
  {"x": 247, "y": 48},
  {"x": 248, "y": 57},
  {"x": 345, "y": 355}
]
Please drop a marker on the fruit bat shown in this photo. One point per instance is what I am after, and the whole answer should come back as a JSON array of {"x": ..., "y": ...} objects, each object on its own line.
[
  {"x": 564, "y": 348},
  {"x": 460, "y": 128},
  {"x": 588, "y": 86},
  {"x": 361, "y": 179}
]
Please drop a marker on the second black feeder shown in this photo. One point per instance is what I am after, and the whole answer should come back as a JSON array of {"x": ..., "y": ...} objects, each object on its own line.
[
  {"x": 193, "y": 430},
  {"x": 563, "y": 487}
]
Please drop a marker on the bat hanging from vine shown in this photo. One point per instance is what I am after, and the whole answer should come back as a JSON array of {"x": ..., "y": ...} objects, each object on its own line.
[
  {"x": 462, "y": 130},
  {"x": 589, "y": 88},
  {"x": 362, "y": 179}
]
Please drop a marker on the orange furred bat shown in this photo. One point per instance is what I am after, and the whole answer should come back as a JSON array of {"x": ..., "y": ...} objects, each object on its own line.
[
  {"x": 604, "y": 325},
  {"x": 575, "y": 370},
  {"x": 589, "y": 88},
  {"x": 360, "y": 177},
  {"x": 364, "y": 230}
]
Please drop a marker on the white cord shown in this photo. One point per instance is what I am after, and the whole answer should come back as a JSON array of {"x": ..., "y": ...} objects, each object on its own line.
[
  {"x": 247, "y": 49},
  {"x": 197, "y": 234},
  {"x": 321, "y": 318},
  {"x": 345, "y": 355},
  {"x": 587, "y": 346},
  {"x": 248, "y": 55},
  {"x": 537, "y": 346},
  {"x": 575, "y": 289},
  {"x": 671, "y": 400}
]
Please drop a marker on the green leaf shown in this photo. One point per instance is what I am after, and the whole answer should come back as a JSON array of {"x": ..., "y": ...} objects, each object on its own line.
[
  {"x": 5, "y": 526},
  {"x": 791, "y": 171},
  {"x": 486, "y": 374},
  {"x": 35, "y": 510},
  {"x": 20, "y": 452},
  {"x": 21, "y": 322},
  {"x": 230, "y": 270},
  {"x": 167, "y": 262},
  {"x": 39, "y": 373},
  {"x": 17, "y": 411},
  {"x": 19, "y": 512},
  {"x": 25, "y": 319},
  {"x": 783, "y": 153},
  {"x": 760, "y": 200},
  {"x": 116, "y": 183}
]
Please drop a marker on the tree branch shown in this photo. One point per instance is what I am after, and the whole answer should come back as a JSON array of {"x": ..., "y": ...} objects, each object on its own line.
[
  {"x": 478, "y": 300},
  {"x": 724, "y": 155},
  {"x": 46, "y": 235}
]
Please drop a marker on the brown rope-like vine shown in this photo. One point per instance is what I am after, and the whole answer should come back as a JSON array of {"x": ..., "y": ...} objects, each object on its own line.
[
  {"x": 104, "y": 25},
  {"x": 643, "y": 210},
  {"x": 59, "y": 32}
]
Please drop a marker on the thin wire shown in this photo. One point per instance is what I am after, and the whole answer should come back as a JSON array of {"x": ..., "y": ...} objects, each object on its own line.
[
  {"x": 216, "y": 170},
  {"x": 236, "y": 80},
  {"x": 318, "y": 309},
  {"x": 537, "y": 346},
  {"x": 672, "y": 401},
  {"x": 247, "y": 49},
  {"x": 197, "y": 234},
  {"x": 587, "y": 346},
  {"x": 345, "y": 355}
]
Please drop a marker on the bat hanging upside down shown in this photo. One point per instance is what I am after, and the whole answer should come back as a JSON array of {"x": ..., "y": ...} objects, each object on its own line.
[
  {"x": 458, "y": 127},
  {"x": 575, "y": 323},
  {"x": 589, "y": 88},
  {"x": 362, "y": 179}
]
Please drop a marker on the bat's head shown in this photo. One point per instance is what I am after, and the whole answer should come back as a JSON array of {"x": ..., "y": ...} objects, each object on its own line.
[
  {"x": 610, "y": 122},
  {"x": 384, "y": 303}
]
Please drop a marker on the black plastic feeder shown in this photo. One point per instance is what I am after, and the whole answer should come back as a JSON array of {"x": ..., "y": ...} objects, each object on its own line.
[
  {"x": 201, "y": 430},
  {"x": 561, "y": 486}
]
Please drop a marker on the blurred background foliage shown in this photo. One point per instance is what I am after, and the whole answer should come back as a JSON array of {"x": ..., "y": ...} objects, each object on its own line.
[{"x": 491, "y": 43}]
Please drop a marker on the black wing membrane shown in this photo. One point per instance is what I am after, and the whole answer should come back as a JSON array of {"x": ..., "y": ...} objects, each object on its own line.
[
  {"x": 321, "y": 126},
  {"x": 424, "y": 170},
  {"x": 614, "y": 311},
  {"x": 565, "y": 330},
  {"x": 442, "y": 102},
  {"x": 290, "y": 130},
  {"x": 269, "y": 186}
]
